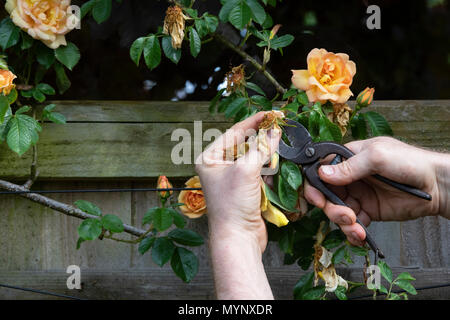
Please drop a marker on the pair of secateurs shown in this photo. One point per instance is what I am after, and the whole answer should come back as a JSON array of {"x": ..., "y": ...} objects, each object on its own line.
[{"x": 305, "y": 152}]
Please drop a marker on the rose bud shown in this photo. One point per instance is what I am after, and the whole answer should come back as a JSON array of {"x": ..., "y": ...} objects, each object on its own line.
[
  {"x": 163, "y": 183},
  {"x": 365, "y": 98}
]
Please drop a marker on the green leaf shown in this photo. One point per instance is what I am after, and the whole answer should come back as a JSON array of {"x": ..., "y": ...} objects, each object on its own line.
[
  {"x": 9, "y": 33},
  {"x": 405, "y": 276},
  {"x": 333, "y": 239},
  {"x": 263, "y": 102},
  {"x": 304, "y": 284},
  {"x": 136, "y": 50},
  {"x": 4, "y": 105},
  {"x": 293, "y": 107},
  {"x": 213, "y": 103},
  {"x": 339, "y": 255},
  {"x": 394, "y": 296},
  {"x": 88, "y": 207},
  {"x": 255, "y": 87},
  {"x": 46, "y": 89},
  {"x": 359, "y": 127},
  {"x": 291, "y": 92},
  {"x": 314, "y": 293},
  {"x": 56, "y": 117},
  {"x": 23, "y": 109},
  {"x": 38, "y": 96},
  {"x": 273, "y": 197},
  {"x": 62, "y": 81},
  {"x": 12, "y": 96},
  {"x": 162, "y": 250},
  {"x": 329, "y": 131},
  {"x": 162, "y": 219},
  {"x": 226, "y": 9},
  {"x": 359, "y": 251},
  {"x": 68, "y": 55},
  {"x": 148, "y": 217},
  {"x": 178, "y": 219},
  {"x": 27, "y": 41},
  {"x": 90, "y": 229},
  {"x": 235, "y": 106},
  {"x": 383, "y": 289},
  {"x": 184, "y": 263},
  {"x": 287, "y": 194},
  {"x": 171, "y": 53},
  {"x": 112, "y": 223},
  {"x": 281, "y": 42},
  {"x": 146, "y": 244},
  {"x": 385, "y": 270},
  {"x": 87, "y": 7},
  {"x": 44, "y": 55},
  {"x": 79, "y": 242},
  {"x": 3, "y": 63},
  {"x": 378, "y": 124},
  {"x": 19, "y": 137},
  {"x": 240, "y": 15},
  {"x": 291, "y": 173},
  {"x": 195, "y": 42},
  {"x": 313, "y": 125},
  {"x": 152, "y": 52},
  {"x": 258, "y": 12},
  {"x": 101, "y": 10},
  {"x": 202, "y": 28},
  {"x": 340, "y": 293},
  {"x": 302, "y": 97},
  {"x": 406, "y": 285},
  {"x": 211, "y": 23},
  {"x": 186, "y": 237}
]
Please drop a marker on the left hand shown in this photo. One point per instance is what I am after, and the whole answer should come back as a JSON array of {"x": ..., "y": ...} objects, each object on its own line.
[{"x": 232, "y": 189}]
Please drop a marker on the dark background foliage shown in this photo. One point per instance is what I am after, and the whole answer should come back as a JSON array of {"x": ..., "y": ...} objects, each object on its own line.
[{"x": 409, "y": 58}]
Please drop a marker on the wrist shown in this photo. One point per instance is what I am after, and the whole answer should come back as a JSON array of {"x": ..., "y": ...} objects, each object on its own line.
[{"x": 442, "y": 171}]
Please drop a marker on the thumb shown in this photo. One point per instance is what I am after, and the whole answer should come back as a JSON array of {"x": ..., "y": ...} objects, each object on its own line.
[{"x": 348, "y": 171}]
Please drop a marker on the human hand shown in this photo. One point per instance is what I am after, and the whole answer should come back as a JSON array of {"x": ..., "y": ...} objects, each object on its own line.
[
  {"x": 372, "y": 200},
  {"x": 232, "y": 189}
]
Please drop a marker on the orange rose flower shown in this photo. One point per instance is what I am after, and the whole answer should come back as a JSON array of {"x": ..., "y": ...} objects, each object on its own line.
[
  {"x": 45, "y": 20},
  {"x": 163, "y": 183},
  {"x": 328, "y": 77},
  {"x": 6, "y": 81},
  {"x": 194, "y": 201}
]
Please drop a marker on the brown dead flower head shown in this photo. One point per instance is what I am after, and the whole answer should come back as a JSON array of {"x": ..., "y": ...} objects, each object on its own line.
[
  {"x": 235, "y": 78},
  {"x": 340, "y": 116},
  {"x": 174, "y": 25}
]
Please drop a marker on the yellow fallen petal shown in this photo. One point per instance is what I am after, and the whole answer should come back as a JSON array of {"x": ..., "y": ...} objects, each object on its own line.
[
  {"x": 264, "y": 200},
  {"x": 275, "y": 216}
]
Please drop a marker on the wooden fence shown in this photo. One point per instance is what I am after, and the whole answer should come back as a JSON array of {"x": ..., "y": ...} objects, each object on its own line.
[{"x": 123, "y": 144}]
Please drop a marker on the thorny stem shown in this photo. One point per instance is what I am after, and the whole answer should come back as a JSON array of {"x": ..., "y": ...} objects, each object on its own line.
[
  {"x": 63, "y": 207},
  {"x": 34, "y": 172},
  {"x": 255, "y": 63}
]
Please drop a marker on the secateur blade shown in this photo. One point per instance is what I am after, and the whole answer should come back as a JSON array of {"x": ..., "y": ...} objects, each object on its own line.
[{"x": 298, "y": 136}]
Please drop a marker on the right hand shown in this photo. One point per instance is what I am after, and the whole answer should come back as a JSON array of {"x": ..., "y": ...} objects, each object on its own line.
[{"x": 370, "y": 199}]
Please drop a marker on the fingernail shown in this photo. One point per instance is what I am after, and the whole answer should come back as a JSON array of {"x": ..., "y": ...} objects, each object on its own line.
[
  {"x": 328, "y": 170},
  {"x": 345, "y": 220}
]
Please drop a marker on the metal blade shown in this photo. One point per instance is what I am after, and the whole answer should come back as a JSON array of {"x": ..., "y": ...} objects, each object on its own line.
[{"x": 297, "y": 134}]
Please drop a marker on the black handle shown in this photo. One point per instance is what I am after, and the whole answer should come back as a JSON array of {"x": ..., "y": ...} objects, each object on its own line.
[{"x": 313, "y": 178}]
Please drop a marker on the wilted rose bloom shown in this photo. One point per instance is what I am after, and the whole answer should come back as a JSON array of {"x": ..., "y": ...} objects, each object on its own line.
[
  {"x": 328, "y": 77},
  {"x": 163, "y": 183},
  {"x": 194, "y": 201},
  {"x": 341, "y": 116},
  {"x": 44, "y": 20},
  {"x": 365, "y": 97},
  {"x": 6, "y": 81},
  {"x": 235, "y": 78},
  {"x": 174, "y": 25}
]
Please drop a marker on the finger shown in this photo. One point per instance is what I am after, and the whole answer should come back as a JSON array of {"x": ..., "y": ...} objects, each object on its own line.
[
  {"x": 348, "y": 171},
  {"x": 355, "y": 233},
  {"x": 340, "y": 215},
  {"x": 237, "y": 134},
  {"x": 364, "y": 218},
  {"x": 257, "y": 155},
  {"x": 314, "y": 196}
]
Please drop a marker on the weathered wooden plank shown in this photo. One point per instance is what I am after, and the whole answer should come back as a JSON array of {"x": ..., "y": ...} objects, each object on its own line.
[
  {"x": 189, "y": 111},
  {"x": 161, "y": 284},
  {"x": 133, "y": 140}
]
